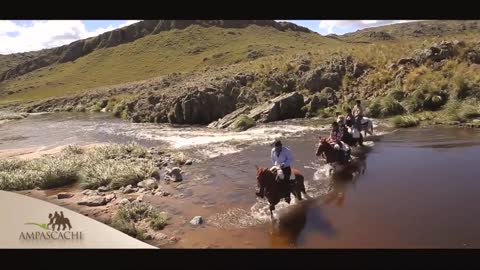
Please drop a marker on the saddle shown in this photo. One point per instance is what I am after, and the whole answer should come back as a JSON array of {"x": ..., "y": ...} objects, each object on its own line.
[{"x": 278, "y": 171}]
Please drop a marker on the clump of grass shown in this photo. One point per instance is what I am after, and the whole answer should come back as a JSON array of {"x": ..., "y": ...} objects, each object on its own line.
[
  {"x": 56, "y": 171},
  {"x": 243, "y": 122},
  {"x": 158, "y": 221},
  {"x": 45, "y": 172},
  {"x": 97, "y": 167},
  {"x": 179, "y": 158},
  {"x": 114, "y": 173},
  {"x": 461, "y": 111},
  {"x": 112, "y": 151},
  {"x": 134, "y": 149},
  {"x": 404, "y": 121},
  {"x": 128, "y": 215},
  {"x": 73, "y": 149},
  {"x": 11, "y": 164}
]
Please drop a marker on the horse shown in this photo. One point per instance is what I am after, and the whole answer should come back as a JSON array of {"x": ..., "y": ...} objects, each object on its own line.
[
  {"x": 366, "y": 125},
  {"x": 332, "y": 156},
  {"x": 60, "y": 220},
  {"x": 274, "y": 191},
  {"x": 352, "y": 137}
]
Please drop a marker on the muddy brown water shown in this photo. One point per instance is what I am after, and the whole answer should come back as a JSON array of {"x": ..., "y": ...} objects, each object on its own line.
[{"x": 420, "y": 189}]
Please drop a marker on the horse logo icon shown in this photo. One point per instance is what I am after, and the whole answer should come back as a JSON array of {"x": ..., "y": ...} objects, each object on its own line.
[{"x": 56, "y": 219}]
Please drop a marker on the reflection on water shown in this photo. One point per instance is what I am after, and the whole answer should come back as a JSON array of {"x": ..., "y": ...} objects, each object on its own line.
[{"x": 289, "y": 228}]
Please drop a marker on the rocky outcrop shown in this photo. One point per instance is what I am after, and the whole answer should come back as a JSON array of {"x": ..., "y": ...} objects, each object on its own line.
[
  {"x": 473, "y": 56},
  {"x": 282, "y": 107},
  {"x": 190, "y": 109},
  {"x": 127, "y": 34},
  {"x": 435, "y": 53},
  {"x": 331, "y": 73},
  {"x": 228, "y": 119}
]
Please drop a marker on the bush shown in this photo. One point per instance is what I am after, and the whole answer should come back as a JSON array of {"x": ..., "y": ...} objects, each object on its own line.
[
  {"x": 397, "y": 95},
  {"x": 391, "y": 107},
  {"x": 374, "y": 110},
  {"x": 404, "y": 121},
  {"x": 461, "y": 88}
]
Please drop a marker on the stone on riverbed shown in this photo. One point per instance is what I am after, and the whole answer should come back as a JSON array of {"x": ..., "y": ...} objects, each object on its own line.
[
  {"x": 196, "y": 220},
  {"x": 94, "y": 200},
  {"x": 64, "y": 195},
  {"x": 175, "y": 174}
]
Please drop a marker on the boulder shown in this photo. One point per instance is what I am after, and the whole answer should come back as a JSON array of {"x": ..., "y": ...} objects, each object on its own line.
[
  {"x": 110, "y": 197},
  {"x": 196, "y": 220},
  {"x": 148, "y": 184},
  {"x": 94, "y": 200},
  {"x": 228, "y": 119},
  {"x": 175, "y": 174},
  {"x": 64, "y": 195},
  {"x": 102, "y": 189},
  {"x": 317, "y": 79},
  {"x": 280, "y": 108}
]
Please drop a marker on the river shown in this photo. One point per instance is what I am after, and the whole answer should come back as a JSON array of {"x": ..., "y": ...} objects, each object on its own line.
[{"x": 419, "y": 189}]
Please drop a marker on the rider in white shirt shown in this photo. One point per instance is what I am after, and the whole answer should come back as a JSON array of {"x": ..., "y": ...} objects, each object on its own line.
[{"x": 282, "y": 156}]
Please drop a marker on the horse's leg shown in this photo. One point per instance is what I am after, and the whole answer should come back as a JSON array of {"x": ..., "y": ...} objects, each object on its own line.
[
  {"x": 69, "y": 225},
  {"x": 272, "y": 207}
]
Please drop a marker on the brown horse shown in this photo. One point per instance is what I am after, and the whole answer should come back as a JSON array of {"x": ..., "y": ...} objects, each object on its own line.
[{"x": 274, "y": 191}]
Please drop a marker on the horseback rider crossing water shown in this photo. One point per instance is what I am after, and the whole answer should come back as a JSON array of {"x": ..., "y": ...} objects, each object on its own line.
[
  {"x": 282, "y": 157},
  {"x": 358, "y": 114},
  {"x": 335, "y": 139}
]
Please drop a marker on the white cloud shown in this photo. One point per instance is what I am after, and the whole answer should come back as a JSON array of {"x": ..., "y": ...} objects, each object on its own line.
[
  {"x": 45, "y": 34},
  {"x": 345, "y": 26}
]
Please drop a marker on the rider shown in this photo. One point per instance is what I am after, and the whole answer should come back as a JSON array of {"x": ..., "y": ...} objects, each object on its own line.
[
  {"x": 335, "y": 139},
  {"x": 282, "y": 156},
  {"x": 358, "y": 114},
  {"x": 349, "y": 118}
]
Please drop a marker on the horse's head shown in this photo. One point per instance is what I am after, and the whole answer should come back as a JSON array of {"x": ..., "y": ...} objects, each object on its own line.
[
  {"x": 322, "y": 146},
  {"x": 264, "y": 176}
]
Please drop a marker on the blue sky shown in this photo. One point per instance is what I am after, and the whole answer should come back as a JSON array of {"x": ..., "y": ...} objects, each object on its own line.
[{"x": 22, "y": 36}]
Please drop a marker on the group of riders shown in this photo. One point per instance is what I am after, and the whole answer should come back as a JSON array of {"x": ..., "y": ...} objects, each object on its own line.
[{"x": 340, "y": 139}]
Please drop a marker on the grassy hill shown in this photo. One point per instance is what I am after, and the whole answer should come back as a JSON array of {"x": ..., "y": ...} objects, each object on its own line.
[
  {"x": 200, "y": 54},
  {"x": 185, "y": 50}
]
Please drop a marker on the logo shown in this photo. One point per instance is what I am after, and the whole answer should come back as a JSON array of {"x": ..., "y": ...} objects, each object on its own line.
[{"x": 58, "y": 228}]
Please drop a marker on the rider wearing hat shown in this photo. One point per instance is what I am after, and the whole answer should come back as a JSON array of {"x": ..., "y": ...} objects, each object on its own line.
[{"x": 282, "y": 156}]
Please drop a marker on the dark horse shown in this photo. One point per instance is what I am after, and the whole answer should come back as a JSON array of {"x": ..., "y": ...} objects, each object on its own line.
[
  {"x": 274, "y": 191},
  {"x": 332, "y": 156},
  {"x": 349, "y": 139}
]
